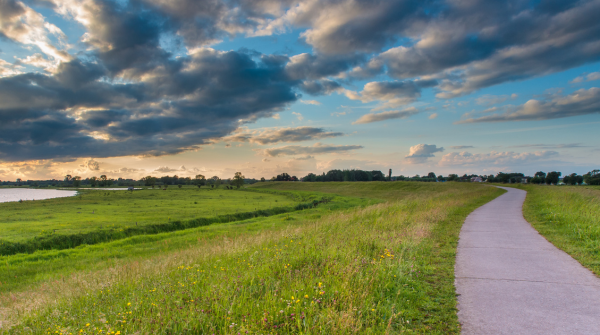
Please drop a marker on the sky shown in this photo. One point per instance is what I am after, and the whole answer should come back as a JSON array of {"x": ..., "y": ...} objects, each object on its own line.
[{"x": 132, "y": 88}]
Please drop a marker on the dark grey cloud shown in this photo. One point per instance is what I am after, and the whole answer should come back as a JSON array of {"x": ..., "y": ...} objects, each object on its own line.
[
  {"x": 312, "y": 67},
  {"x": 580, "y": 102},
  {"x": 202, "y": 98},
  {"x": 320, "y": 87},
  {"x": 272, "y": 136},
  {"x": 468, "y": 44},
  {"x": 316, "y": 149}
]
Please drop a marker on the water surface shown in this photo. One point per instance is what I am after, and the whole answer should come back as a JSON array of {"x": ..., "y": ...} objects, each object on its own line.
[{"x": 16, "y": 194}]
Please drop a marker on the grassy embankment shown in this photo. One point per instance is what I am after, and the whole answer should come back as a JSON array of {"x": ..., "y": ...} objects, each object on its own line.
[
  {"x": 569, "y": 217},
  {"x": 102, "y": 216},
  {"x": 381, "y": 268}
]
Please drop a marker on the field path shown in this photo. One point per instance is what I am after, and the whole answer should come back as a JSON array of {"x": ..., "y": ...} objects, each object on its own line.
[{"x": 510, "y": 280}]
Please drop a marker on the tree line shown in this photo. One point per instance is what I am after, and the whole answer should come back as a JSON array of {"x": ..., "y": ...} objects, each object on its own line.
[{"x": 540, "y": 177}]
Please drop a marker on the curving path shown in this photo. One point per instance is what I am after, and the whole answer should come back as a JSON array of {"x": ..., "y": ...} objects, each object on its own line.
[{"x": 510, "y": 280}]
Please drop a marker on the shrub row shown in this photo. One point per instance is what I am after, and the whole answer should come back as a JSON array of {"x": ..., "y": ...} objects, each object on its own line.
[{"x": 59, "y": 241}]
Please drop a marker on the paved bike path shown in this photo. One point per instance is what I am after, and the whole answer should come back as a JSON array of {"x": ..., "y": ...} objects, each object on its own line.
[{"x": 511, "y": 280}]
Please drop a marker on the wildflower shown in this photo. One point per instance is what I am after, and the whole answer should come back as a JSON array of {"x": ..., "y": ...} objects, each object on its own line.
[
  {"x": 128, "y": 304},
  {"x": 320, "y": 284},
  {"x": 306, "y": 296}
]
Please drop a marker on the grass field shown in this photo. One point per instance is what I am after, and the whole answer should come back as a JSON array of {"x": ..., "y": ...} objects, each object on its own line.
[
  {"x": 569, "y": 217},
  {"x": 99, "y": 209},
  {"x": 350, "y": 265}
]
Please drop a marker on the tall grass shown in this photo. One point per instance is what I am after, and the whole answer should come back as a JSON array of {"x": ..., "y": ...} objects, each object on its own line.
[{"x": 386, "y": 268}]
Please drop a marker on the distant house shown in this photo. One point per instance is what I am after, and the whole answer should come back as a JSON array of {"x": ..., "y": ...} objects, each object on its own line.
[
  {"x": 130, "y": 188},
  {"x": 477, "y": 179}
]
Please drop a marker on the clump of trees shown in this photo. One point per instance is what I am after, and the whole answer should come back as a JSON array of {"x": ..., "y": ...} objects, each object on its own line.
[
  {"x": 573, "y": 179},
  {"x": 592, "y": 177},
  {"x": 346, "y": 175},
  {"x": 238, "y": 180}
]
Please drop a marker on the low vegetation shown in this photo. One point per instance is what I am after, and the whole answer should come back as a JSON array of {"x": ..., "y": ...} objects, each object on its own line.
[
  {"x": 371, "y": 258},
  {"x": 569, "y": 217}
]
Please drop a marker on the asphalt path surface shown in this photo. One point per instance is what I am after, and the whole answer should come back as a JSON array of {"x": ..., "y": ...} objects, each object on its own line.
[{"x": 511, "y": 280}]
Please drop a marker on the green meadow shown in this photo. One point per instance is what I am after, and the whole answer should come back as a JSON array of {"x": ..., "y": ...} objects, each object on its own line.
[
  {"x": 365, "y": 258},
  {"x": 99, "y": 209}
]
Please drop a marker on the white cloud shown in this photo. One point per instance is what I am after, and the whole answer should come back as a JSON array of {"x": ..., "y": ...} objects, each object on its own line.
[
  {"x": 8, "y": 69},
  {"x": 299, "y": 116},
  {"x": 494, "y": 158},
  {"x": 433, "y": 116},
  {"x": 22, "y": 24},
  {"x": 580, "y": 102},
  {"x": 310, "y": 102},
  {"x": 388, "y": 115},
  {"x": 421, "y": 152},
  {"x": 589, "y": 77}
]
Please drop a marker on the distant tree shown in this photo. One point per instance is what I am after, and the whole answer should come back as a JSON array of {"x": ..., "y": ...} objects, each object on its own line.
[
  {"x": 200, "y": 180},
  {"x": 592, "y": 177},
  {"x": 552, "y": 177},
  {"x": 537, "y": 180},
  {"x": 453, "y": 177},
  {"x": 238, "y": 180},
  {"x": 540, "y": 174},
  {"x": 103, "y": 180},
  {"x": 262, "y": 179},
  {"x": 93, "y": 181},
  {"x": 68, "y": 179},
  {"x": 377, "y": 175},
  {"x": 179, "y": 185},
  {"x": 76, "y": 181},
  {"x": 18, "y": 181},
  {"x": 215, "y": 181},
  {"x": 283, "y": 177},
  {"x": 149, "y": 181},
  {"x": 431, "y": 175}
]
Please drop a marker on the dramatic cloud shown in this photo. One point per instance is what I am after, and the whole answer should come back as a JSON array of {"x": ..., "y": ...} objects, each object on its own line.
[
  {"x": 143, "y": 80},
  {"x": 388, "y": 115},
  {"x": 316, "y": 149},
  {"x": 580, "y": 102},
  {"x": 421, "y": 152},
  {"x": 73, "y": 113},
  {"x": 272, "y": 136},
  {"x": 494, "y": 158}
]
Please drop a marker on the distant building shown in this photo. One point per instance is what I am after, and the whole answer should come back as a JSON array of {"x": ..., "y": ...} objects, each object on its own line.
[
  {"x": 477, "y": 179},
  {"x": 130, "y": 188}
]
